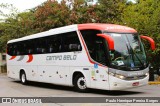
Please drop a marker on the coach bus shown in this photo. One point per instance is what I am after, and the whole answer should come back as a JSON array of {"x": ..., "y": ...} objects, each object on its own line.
[{"x": 100, "y": 56}]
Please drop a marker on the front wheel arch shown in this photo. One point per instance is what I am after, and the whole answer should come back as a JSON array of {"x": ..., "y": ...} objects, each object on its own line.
[
  {"x": 23, "y": 77},
  {"x": 79, "y": 82}
]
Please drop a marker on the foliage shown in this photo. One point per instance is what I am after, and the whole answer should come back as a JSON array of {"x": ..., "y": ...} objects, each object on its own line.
[
  {"x": 109, "y": 11},
  {"x": 14, "y": 25},
  {"x": 51, "y": 15},
  {"x": 145, "y": 17}
]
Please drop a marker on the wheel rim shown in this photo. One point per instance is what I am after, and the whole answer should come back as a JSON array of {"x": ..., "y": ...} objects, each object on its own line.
[
  {"x": 23, "y": 78},
  {"x": 81, "y": 83}
]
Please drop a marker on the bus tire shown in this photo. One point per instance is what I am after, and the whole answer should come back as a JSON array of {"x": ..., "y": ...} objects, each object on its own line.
[
  {"x": 80, "y": 83},
  {"x": 23, "y": 78}
]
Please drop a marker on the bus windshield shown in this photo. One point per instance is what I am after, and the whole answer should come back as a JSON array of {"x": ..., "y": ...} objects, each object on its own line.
[{"x": 129, "y": 52}]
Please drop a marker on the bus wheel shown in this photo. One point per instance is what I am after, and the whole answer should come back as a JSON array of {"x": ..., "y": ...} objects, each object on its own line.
[
  {"x": 23, "y": 78},
  {"x": 80, "y": 83}
]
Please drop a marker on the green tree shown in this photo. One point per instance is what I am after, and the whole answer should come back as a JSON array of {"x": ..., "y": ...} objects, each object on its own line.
[
  {"x": 4, "y": 26},
  {"x": 105, "y": 11},
  {"x": 51, "y": 15},
  {"x": 144, "y": 16},
  {"x": 109, "y": 11},
  {"x": 83, "y": 13},
  {"x": 14, "y": 25}
]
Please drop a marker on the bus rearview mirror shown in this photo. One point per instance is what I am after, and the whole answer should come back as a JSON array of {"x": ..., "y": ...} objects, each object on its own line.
[
  {"x": 151, "y": 41},
  {"x": 109, "y": 39}
]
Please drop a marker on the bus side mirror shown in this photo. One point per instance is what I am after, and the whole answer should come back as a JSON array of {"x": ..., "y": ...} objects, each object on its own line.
[
  {"x": 109, "y": 39},
  {"x": 151, "y": 41}
]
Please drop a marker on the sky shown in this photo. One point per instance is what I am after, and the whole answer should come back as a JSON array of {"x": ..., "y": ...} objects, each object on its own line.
[{"x": 134, "y": 1}]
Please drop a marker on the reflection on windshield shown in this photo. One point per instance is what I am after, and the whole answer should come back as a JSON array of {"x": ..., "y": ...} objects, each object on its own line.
[{"x": 129, "y": 52}]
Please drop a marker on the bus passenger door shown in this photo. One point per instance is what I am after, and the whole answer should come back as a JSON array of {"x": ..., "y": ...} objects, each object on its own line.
[
  {"x": 99, "y": 77},
  {"x": 100, "y": 70}
]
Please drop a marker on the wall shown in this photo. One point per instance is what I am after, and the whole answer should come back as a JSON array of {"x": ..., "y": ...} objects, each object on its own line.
[{"x": 3, "y": 63}]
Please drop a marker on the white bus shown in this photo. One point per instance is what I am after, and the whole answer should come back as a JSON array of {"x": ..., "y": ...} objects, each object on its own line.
[{"x": 100, "y": 56}]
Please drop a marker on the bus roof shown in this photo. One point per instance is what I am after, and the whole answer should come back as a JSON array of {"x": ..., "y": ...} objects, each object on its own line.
[
  {"x": 54, "y": 31},
  {"x": 69, "y": 28},
  {"x": 107, "y": 27}
]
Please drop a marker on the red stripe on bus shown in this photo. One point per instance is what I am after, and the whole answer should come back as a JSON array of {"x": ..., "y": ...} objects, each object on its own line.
[
  {"x": 88, "y": 53},
  {"x": 85, "y": 48},
  {"x": 30, "y": 58},
  {"x": 106, "y": 27},
  {"x": 13, "y": 57}
]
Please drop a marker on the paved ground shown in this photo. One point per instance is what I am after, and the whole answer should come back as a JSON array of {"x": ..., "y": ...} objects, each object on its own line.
[{"x": 12, "y": 88}]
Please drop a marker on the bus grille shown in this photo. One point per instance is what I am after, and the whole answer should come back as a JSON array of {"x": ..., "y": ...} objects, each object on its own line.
[{"x": 136, "y": 77}]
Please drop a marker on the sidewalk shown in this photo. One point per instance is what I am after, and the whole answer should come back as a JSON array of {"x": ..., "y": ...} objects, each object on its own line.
[
  {"x": 153, "y": 82},
  {"x": 2, "y": 74},
  {"x": 157, "y": 81}
]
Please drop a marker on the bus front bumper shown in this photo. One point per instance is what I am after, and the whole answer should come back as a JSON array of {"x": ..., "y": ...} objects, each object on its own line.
[{"x": 119, "y": 84}]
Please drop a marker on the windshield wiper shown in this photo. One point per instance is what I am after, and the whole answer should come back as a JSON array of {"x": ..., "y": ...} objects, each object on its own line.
[
  {"x": 134, "y": 54},
  {"x": 138, "y": 58},
  {"x": 130, "y": 53}
]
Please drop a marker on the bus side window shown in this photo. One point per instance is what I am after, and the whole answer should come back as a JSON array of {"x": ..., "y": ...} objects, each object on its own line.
[
  {"x": 39, "y": 46},
  {"x": 96, "y": 46},
  {"x": 50, "y": 49},
  {"x": 20, "y": 48},
  {"x": 10, "y": 49},
  {"x": 53, "y": 44},
  {"x": 70, "y": 40},
  {"x": 50, "y": 44},
  {"x": 100, "y": 53},
  {"x": 14, "y": 49}
]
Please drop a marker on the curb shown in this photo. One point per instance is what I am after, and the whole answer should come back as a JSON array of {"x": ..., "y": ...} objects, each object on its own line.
[{"x": 153, "y": 83}]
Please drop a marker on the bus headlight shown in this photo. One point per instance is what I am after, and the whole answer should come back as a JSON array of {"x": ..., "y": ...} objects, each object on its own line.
[
  {"x": 147, "y": 74},
  {"x": 120, "y": 76},
  {"x": 117, "y": 75}
]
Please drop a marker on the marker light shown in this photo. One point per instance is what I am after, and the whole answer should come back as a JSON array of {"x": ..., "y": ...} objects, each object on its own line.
[
  {"x": 117, "y": 75},
  {"x": 147, "y": 74}
]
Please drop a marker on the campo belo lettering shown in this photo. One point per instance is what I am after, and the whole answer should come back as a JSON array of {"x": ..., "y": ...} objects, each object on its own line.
[
  {"x": 61, "y": 57},
  {"x": 69, "y": 57},
  {"x": 54, "y": 57}
]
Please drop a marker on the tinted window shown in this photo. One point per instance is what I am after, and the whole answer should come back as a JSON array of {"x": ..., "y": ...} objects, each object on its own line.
[
  {"x": 70, "y": 42},
  {"x": 97, "y": 46},
  {"x": 66, "y": 42},
  {"x": 53, "y": 44}
]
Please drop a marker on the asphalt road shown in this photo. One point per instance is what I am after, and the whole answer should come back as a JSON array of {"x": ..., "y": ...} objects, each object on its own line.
[{"x": 12, "y": 88}]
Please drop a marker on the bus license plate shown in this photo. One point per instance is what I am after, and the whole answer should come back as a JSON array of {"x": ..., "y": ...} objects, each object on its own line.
[{"x": 135, "y": 84}]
